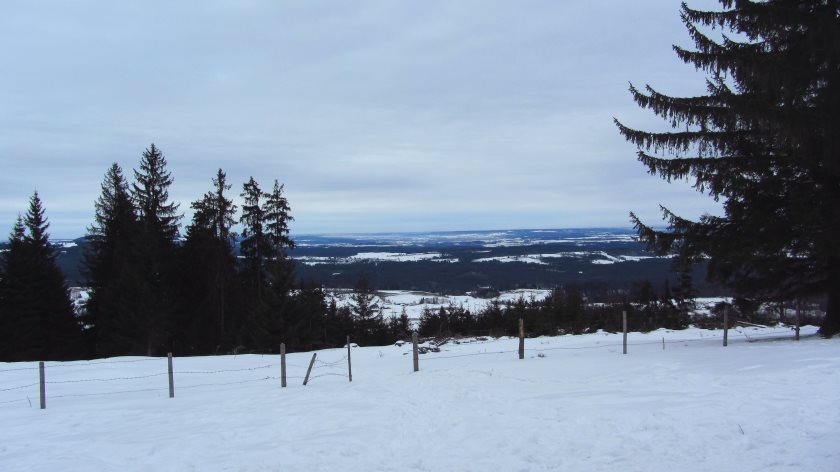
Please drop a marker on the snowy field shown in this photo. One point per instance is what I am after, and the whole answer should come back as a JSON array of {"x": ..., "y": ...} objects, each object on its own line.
[
  {"x": 392, "y": 302},
  {"x": 574, "y": 403}
]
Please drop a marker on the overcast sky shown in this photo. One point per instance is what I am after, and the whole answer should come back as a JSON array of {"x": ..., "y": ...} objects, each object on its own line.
[{"x": 376, "y": 115}]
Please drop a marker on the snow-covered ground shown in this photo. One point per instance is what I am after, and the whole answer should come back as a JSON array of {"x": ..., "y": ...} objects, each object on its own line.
[
  {"x": 376, "y": 257},
  {"x": 392, "y": 302},
  {"x": 574, "y": 403},
  {"x": 595, "y": 257}
]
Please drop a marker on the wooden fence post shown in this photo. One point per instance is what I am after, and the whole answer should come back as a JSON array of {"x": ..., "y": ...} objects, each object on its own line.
[
  {"x": 282, "y": 365},
  {"x": 171, "y": 377},
  {"x": 349, "y": 364},
  {"x": 624, "y": 330},
  {"x": 43, "y": 386},
  {"x": 521, "y": 338},
  {"x": 305, "y": 380},
  {"x": 725, "y": 326},
  {"x": 663, "y": 343},
  {"x": 415, "y": 353},
  {"x": 798, "y": 314}
]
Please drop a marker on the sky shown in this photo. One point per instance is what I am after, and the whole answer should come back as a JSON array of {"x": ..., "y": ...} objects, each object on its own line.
[{"x": 375, "y": 115}]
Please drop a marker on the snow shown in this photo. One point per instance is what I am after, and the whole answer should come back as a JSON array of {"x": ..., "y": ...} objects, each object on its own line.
[
  {"x": 598, "y": 257},
  {"x": 375, "y": 257},
  {"x": 525, "y": 259},
  {"x": 396, "y": 256},
  {"x": 574, "y": 403},
  {"x": 392, "y": 302}
]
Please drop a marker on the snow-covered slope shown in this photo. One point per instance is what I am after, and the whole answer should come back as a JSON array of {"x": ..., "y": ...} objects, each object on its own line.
[
  {"x": 574, "y": 403},
  {"x": 392, "y": 302}
]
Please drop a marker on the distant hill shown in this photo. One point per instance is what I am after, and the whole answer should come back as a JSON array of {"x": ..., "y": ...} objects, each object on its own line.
[{"x": 460, "y": 261}]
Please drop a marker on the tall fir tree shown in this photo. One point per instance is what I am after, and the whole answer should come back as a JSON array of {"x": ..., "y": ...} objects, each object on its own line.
[
  {"x": 254, "y": 246},
  {"x": 108, "y": 268},
  {"x": 276, "y": 212},
  {"x": 208, "y": 273},
  {"x": 13, "y": 263},
  {"x": 765, "y": 141},
  {"x": 283, "y": 316},
  {"x": 35, "y": 310},
  {"x": 155, "y": 250},
  {"x": 267, "y": 271},
  {"x": 368, "y": 322}
]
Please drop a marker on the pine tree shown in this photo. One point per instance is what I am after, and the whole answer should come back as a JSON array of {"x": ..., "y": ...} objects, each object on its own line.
[
  {"x": 268, "y": 272},
  {"x": 38, "y": 318},
  {"x": 764, "y": 141},
  {"x": 155, "y": 249},
  {"x": 207, "y": 272},
  {"x": 150, "y": 192},
  {"x": 368, "y": 321},
  {"x": 255, "y": 246},
  {"x": 108, "y": 267},
  {"x": 276, "y": 213},
  {"x": 283, "y": 308},
  {"x": 13, "y": 286}
]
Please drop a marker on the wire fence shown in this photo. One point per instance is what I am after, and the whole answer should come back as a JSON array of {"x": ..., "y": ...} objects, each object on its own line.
[
  {"x": 336, "y": 368},
  {"x": 65, "y": 381},
  {"x": 776, "y": 334}
]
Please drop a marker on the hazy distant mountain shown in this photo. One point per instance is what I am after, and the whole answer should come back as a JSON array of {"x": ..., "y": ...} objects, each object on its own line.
[{"x": 462, "y": 260}]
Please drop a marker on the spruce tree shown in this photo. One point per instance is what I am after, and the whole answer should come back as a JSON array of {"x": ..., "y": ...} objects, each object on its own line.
[
  {"x": 763, "y": 140},
  {"x": 108, "y": 267},
  {"x": 268, "y": 271},
  {"x": 368, "y": 321},
  {"x": 285, "y": 315},
  {"x": 155, "y": 249},
  {"x": 37, "y": 316},
  {"x": 13, "y": 264},
  {"x": 276, "y": 213},
  {"x": 255, "y": 246},
  {"x": 150, "y": 192},
  {"x": 207, "y": 272}
]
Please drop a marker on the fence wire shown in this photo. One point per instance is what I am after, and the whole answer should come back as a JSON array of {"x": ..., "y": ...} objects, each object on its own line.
[
  {"x": 247, "y": 369},
  {"x": 330, "y": 364},
  {"x": 64, "y": 365},
  {"x": 326, "y": 374},
  {"x": 111, "y": 379},
  {"x": 778, "y": 334},
  {"x": 18, "y": 387}
]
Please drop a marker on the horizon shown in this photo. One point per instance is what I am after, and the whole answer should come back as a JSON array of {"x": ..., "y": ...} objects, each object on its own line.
[{"x": 627, "y": 229}]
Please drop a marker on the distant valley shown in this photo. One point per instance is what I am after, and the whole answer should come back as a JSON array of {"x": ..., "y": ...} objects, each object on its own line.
[{"x": 461, "y": 261}]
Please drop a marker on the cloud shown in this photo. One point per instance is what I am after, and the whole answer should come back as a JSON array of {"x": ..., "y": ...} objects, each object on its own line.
[{"x": 375, "y": 115}]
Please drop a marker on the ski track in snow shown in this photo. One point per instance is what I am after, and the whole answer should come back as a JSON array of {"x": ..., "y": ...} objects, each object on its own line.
[{"x": 694, "y": 406}]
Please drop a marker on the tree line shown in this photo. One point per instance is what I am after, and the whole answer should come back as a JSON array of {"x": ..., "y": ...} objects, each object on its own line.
[{"x": 153, "y": 291}]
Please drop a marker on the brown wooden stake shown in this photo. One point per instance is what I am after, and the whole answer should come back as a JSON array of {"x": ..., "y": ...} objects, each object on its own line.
[
  {"x": 415, "y": 354},
  {"x": 725, "y": 326},
  {"x": 305, "y": 380},
  {"x": 798, "y": 314},
  {"x": 521, "y": 339},
  {"x": 624, "y": 330},
  {"x": 349, "y": 364},
  {"x": 43, "y": 386},
  {"x": 171, "y": 378},
  {"x": 282, "y": 365}
]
